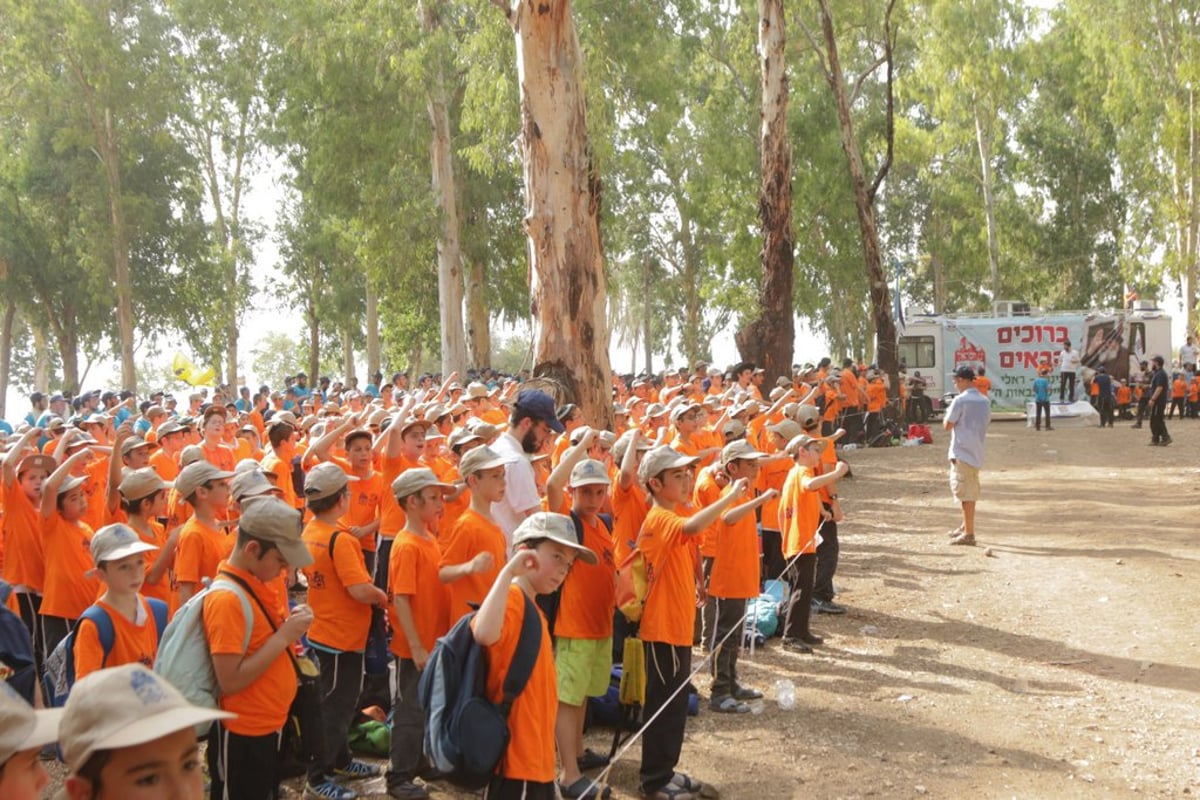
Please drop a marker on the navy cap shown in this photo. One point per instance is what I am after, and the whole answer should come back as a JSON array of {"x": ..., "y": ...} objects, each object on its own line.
[
  {"x": 539, "y": 404},
  {"x": 965, "y": 373}
]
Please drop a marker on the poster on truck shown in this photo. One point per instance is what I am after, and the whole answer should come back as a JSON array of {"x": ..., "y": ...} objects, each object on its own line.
[{"x": 1011, "y": 348}]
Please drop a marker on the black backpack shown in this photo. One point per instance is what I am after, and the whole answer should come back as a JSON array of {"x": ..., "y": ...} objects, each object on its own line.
[
  {"x": 548, "y": 603},
  {"x": 466, "y": 734}
]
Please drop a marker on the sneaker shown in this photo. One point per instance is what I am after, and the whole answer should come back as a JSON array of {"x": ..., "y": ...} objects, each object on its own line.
[
  {"x": 812, "y": 638},
  {"x": 408, "y": 791},
  {"x": 591, "y": 760},
  {"x": 796, "y": 646},
  {"x": 329, "y": 790},
  {"x": 967, "y": 539},
  {"x": 1165, "y": 442},
  {"x": 746, "y": 693},
  {"x": 357, "y": 770},
  {"x": 828, "y": 607}
]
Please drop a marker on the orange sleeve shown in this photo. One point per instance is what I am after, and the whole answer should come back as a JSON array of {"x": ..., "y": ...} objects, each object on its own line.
[{"x": 89, "y": 655}]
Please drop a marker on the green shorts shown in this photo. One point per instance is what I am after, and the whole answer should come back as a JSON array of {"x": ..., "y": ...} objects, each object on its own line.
[{"x": 584, "y": 668}]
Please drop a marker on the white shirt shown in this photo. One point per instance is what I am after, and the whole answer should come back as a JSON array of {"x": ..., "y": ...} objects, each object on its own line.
[
  {"x": 520, "y": 494},
  {"x": 1187, "y": 354},
  {"x": 970, "y": 412},
  {"x": 1068, "y": 361}
]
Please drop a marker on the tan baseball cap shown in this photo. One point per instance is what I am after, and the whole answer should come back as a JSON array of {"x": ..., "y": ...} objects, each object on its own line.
[
  {"x": 733, "y": 429},
  {"x": 21, "y": 727},
  {"x": 72, "y": 482},
  {"x": 170, "y": 426},
  {"x": 133, "y": 443},
  {"x": 190, "y": 455},
  {"x": 682, "y": 409},
  {"x": 124, "y": 707},
  {"x": 413, "y": 422},
  {"x": 622, "y": 444},
  {"x": 480, "y": 458},
  {"x": 556, "y": 527},
  {"x": 249, "y": 483},
  {"x": 325, "y": 480},
  {"x": 36, "y": 461},
  {"x": 804, "y": 440},
  {"x": 412, "y": 481},
  {"x": 461, "y": 436},
  {"x": 117, "y": 541},
  {"x": 659, "y": 460},
  {"x": 139, "y": 483},
  {"x": 196, "y": 474},
  {"x": 788, "y": 429},
  {"x": 274, "y": 521},
  {"x": 587, "y": 472},
  {"x": 740, "y": 450},
  {"x": 477, "y": 389},
  {"x": 809, "y": 417},
  {"x": 656, "y": 410}
]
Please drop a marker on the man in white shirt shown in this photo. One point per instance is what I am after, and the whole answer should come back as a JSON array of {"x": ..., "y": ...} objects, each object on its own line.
[
  {"x": 532, "y": 422},
  {"x": 1187, "y": 355},
  {"x": 967, "y": 420},
  {"x": 1068, "y": 365}
]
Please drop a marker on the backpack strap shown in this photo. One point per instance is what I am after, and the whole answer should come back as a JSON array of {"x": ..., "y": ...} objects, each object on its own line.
[
  {"x": 608, "y": 523},
  {"x": 104, "y": 631},
  {"x": 525, "y": 656},
  {"x": 578, "y": 526},
  {"x": 246, "y": 587},
  {"x": 226, "y": 585},
  {"x": 161, "y": 614}
]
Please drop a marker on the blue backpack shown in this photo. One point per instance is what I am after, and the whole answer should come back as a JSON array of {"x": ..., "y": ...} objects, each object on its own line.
[
  {"x": 17, "y": 666},
  {"x": 59, "y": 670},
  {"x": 466, "y": 734}
]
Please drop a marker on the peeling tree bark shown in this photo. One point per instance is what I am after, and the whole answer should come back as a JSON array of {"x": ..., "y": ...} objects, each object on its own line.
[
  {"x": 769, "y": 340},
  {"x": 562, "y": 194},
  {"x": 479, "y": 336},
  {"x": 373, "y": 357}
]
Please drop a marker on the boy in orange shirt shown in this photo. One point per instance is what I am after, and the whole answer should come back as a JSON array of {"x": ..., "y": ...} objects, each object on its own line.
[
  {"x": 120, "y": 558},
  {"x": 257, "y": 681},
  {"x": 66, "y": 541},
  {"x": 545, "y": 548},
  {"x": 341, "y": 594},
  {"x": 24, "y": 474},
  {"x": 668, "y": 616},
  {"x": 419, "y": 615},
  {"x": 144, "y": 500},
  {"x": 475, "y": 548},
  {"x": 734, "y": 577},
  {"x": 204, "y": 540},
  {"x": 800, "y": 515}
]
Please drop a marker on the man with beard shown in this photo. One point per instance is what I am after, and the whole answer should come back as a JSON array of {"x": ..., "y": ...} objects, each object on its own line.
[{"x": 532, "y": 421}]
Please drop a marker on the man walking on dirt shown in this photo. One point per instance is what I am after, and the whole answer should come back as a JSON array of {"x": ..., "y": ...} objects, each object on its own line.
[
  {"x": 1160, "y": 390},
  {"x": 967, "y": 420}
]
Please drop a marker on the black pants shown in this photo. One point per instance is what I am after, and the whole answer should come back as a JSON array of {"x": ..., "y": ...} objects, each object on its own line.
[
  {"x": 54, "y": 630},
  {"x": 1066, "y": 379},
  {"x": 1105, "y": 405},
  {"x": 1143, "y": 403},
  {"x": 1158, "y": 425},
  {"x": 509, "y": 789},
  {"x": 1042, "y": 407},
  {"x": 667, "y": 669},
  {"x": 773, "y": 560},
  {"x": 341, "y": 683},
  {"x": 827, "y": 558},
  {"x": 382, "y": 554},
  {"x": 1176, "y": 405},
  {"x": 799, "y": 605},
  {"x": 30, "y": 605},
  {"x": 408, "y": 727},
  {"x": 243, "y": 767},
  {"x": 725, "y": 646}
]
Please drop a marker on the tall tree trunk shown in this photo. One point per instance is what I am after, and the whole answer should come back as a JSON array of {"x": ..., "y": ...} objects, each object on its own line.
[
  {"x": 864, "y": 192},
  {"x": 647, "y": 307},
  {"x": 479, "y": 336},
  {"x": 562, "y": 195},
  {"x": 314, "y": 326},
  {"x": 450, "y": 279},
  {"x": 1191, "y": 254},
  {"x": 347, "y": 357},
  {"x": 373, "y": 357},
  {"x": 6, "y": 337},
  {"x": 41, "y": 357},
  {"x": 690, "y": 335},
  {"x": 983, "y": 139},
  {"x": 939, "y": 282},
  {"x": 120, "y": 242},
  {"x": 769, "y": 339}
]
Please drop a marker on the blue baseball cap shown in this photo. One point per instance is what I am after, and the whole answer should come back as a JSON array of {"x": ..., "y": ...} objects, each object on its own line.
[{"x": 538, "y": 404}]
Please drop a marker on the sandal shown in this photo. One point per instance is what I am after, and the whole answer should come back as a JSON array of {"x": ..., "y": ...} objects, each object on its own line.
[
  {"x": 746, "y": 693},
  {"x": 591, "y": 760},
  {"x": 694, "y": 787},
  {"x": 727, "y": 705},
  {"x": 964, "y": 538},
  {"x": 583, "y": 789},
  {"x": 669, "y": 792}
]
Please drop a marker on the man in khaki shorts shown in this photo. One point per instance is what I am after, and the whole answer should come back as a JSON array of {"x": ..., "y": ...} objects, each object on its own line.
[{"x": 967, "y": 419}]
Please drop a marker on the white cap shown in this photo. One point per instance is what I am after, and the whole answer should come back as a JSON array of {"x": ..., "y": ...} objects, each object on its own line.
[
  {"x": 117, "y": 541},
  {"x": 480, "y": 458},
  {"x": 124, "y": 707},
  {"x": 21, "y": 727},
  {"x": 659, "y": 460},
  {"x": 558, "y": 527},
  {"x": 589, "y": 471}
]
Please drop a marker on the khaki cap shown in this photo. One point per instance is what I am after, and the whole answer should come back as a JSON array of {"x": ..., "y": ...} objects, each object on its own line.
[
  {"x": 170, "y": 426},
  {"x": 659, "y": 460},
  {"x": 274, "y": 521},
  {"x": 480, "y": 458},
  {"x": 195, "y": 475},
  {"x": 190, "y": 455},
  {"x": 556, "y": 527},
  {"x": 325, "y": 480},
  {"x": 139, "y": 483},
  {"x": 733, "y": 429},
  {"x": 788, "y": 429},
  {"x": 117, "y": 541},
  {"x": 740, "y": 451},
  {"x": 589, "y": 472},
  {"x": 35, "y": 461},
  {"x": 476, "y": 389},
  {"x": 622, "y": 444},
  {"x": 460, "y": 436},
  {"x": 122, "y": 707},
  {"x": 656, "y": 410},
  {"x": 809, "y": 417},
  {"x": 134, "y": 443},
  {"x": 249, "y": 483},
  {"x": 804, "y": 440},
  {"x": 412, "y": 481},
  {"x": 72, "y": 482},
  {"x": 21, "y": 727}
]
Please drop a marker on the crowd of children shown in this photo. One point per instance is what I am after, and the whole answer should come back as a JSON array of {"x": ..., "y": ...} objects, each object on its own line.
[{"x": 318, "y": 532}]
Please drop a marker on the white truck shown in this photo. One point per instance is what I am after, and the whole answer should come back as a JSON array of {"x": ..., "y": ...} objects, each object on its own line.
[{"x": 1011, "y": 344}]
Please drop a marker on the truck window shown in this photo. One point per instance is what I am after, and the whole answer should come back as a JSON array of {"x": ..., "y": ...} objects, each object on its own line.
[{"x": 918, "y": 352}]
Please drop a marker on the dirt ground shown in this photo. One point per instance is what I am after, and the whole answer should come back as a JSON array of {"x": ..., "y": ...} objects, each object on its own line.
[{"x": 1057, "y": 659}]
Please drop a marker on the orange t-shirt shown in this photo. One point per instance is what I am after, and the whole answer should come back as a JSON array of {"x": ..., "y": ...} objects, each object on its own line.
[
  {"x": 94, "y": 489},
  {"x": 585, "y": 606},
  {"x": 133, "y": 643},
  {"x": 496, "y": 417},
  {"x": 771, "y": 475},
  {"x": 262, "y": 707},
  {"x": 164, "y": 588},
  {"x": 1123, "y": 395},
  {"x": 413, "y": 573},
  {"x": 391, "y": 516},
  {"x": 273, "y": 465},
  {"x": 832, "y": 405},
  {"x": 1179, "y": 388},
  {"x": 340, "y": 622},
  {"x": 472, "y": 534},
  {"x": 560, "y": 446},
  {"x": 707, "y": 492},
  {"x": 23, "y": 562},
  {"x": 877, "y": 396},
  {"x": 983, "y": 384},
  {"x": 67, "y": 590},
  {"x": 848, "y": 386},
  {"x": 201, "y": 550},
  {"x": 801, "y": 510},
  {"x": 735, "y": 564},
  {"x": 220, "y": 456},
  {"x": 447, "y": 472},
  {"x": 629, "y": 510},
  {"x": 531, "y": 750},
  {"x": 670, "y": 611},
  {"x": 366, "y": 497},
  {"x": 165, "y": 465}
]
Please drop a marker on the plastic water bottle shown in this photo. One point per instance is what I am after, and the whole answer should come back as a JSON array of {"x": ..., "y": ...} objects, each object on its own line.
[{"x": 785, "y": 694}]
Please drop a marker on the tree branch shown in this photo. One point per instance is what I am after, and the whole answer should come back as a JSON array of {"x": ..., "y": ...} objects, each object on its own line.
[
  {"x": 888, "y": 47},
  {"x": 812, "y": 42},
  {"x": 866, "y": 74}
]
